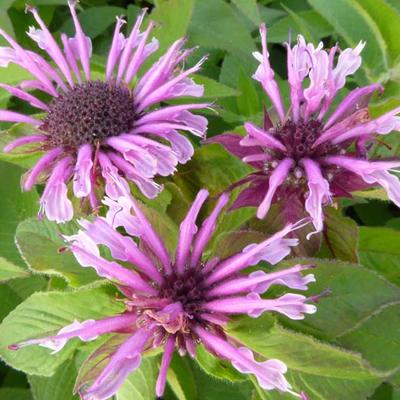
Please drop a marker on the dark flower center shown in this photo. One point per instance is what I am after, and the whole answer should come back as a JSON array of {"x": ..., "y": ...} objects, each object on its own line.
[
  {"x": 185, "y": 289},
  {"x": 299, "y": 138},
  {"x": 89, "y": 113}
]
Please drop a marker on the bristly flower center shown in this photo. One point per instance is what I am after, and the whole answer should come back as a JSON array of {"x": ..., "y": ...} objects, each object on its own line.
[
  {"x": 299, "y": 138},
  {"x": 185, "y": 289},
  {"x": 89, "y": 113}
]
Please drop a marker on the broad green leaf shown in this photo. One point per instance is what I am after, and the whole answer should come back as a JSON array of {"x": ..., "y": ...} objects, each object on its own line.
[
  {"x": 352, "y": 21},
  {"x": 340, "y": 237},
  {"x": 141, "y": 383},
  {"x": 356, "y": 293},
  {"x": 217, "y": 367},
  {"x": 15, "y": 393},
  {"x": 388, "y": 21},
  {"x": 40, "y": 242},
  {"x": 219, "y": 389},
  {"x": 15, "y": 206},
  {"x": 43, "y": 314},
  {"x": 248, "y": 102},
  {"x": 220, "y": 29},
  {"x": 377, "y": 338},
  {"x": 9, "y": 270},
  {"x": 181, "y": 379},
  {"x": 94, "y": 20},
  {"x": 214, "y": 89},
  {"x": 250, "y": 9},
  {"x": 57, "y": 387},
  {"x": 173, "y": 17},
  {"x": 317, "y": 25},
  {"x": 16, "y": 291},
  {"x": 379, "y": 250},
  {"x": 323, "y": 371}
]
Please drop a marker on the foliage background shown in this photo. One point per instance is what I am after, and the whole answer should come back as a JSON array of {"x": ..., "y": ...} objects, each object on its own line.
[{"x": 350, "y": 349}]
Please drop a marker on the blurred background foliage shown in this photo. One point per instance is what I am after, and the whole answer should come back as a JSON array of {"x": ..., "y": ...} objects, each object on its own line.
[{"x": 350, "y": 349}]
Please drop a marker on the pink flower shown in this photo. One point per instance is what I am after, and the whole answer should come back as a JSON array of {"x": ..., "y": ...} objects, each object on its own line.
[
  {"x": 179, "y": 301},
  {"x": 313, "y": 152},
  {"x": 102, "y": 130}
]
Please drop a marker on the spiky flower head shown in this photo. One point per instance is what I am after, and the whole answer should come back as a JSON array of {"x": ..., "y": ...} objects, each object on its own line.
[
  {"x": 312, "y": 152},
  {"x": 181, "y": 301},
  {"x": 99, "y": 131}
]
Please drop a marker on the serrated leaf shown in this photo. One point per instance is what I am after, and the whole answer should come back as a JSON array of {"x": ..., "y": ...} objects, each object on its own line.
[
  {"x": 214, "y": 89},
  {"x": 39, "y": 243},
  {"x": 43, "y": 314}
]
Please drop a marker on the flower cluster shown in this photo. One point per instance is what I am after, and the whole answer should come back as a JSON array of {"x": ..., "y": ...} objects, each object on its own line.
[
  {"x": 312, "y": 153},
  {"x": 94, "y": 130},
  {"x": 180, "y": 301}
]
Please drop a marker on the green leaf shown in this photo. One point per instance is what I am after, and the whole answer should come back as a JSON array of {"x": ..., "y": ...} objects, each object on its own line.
[
  {"x": 379, "y": 250},
  {"x": 356, "y": 294},
  {"x": 39, "y": 243},
  {"x": 250, "y": 9},
  {"x": 94, "y": 20},
  {"x": 323, "y": 371},
  {"x": 10, "y": 271},
  {"x": 217, "y": 367},
  {"x": 57, "y": 387},
  {"x": 174, "y": 17},
  {"x": 16, "y": 393},
  {"x": 248, "y": 102},
  {"x": 141, "y": 383},
  {"x": 352, "y": 21},
  {"x": 314, "y": 23},
  {"x": 180, "y": 378},
  {"x": 388, "y": 21},
  {"x": 220, "y": 29},
  {"x": 14, "y": 207},
  {"x": 340, "y": 237},
  {"x": 214, "y": 89},
  {"x": 46, "y": 313},
  {"x": 377, "y": 338}
]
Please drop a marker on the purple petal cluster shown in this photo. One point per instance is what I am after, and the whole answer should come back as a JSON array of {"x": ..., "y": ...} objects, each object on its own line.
[
  {"x": 180, "y": 301},
  {"x": 312, "y": 152},
  {"x": 102, "y": 131}
]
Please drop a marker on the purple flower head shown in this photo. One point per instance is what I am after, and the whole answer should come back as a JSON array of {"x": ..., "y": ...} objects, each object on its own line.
[
  {"x": 108, "y": 130},
  {"x": 178, "y": 302},
  {"x": 313, "y": 152}
]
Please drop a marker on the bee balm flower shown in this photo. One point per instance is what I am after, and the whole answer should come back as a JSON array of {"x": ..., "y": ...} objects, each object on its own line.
[
  {"x": 181, "y": 301},
  {"x": 313, "y": 152},
  {"x": 102, "y": 130}
]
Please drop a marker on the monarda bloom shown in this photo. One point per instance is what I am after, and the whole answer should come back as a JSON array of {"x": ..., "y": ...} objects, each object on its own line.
[
  {"x": 181, "y": 301},
  {"x": 312, "y": 152},
  {"x": 92, "y": 130}
]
